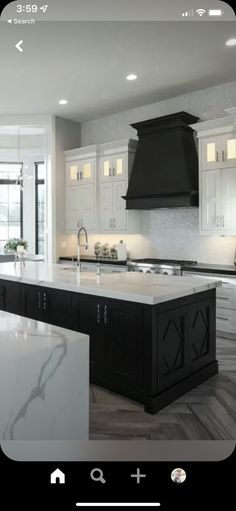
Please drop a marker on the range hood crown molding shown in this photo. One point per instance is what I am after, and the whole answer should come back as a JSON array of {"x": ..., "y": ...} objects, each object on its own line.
[{"x": 165, "y": 169}]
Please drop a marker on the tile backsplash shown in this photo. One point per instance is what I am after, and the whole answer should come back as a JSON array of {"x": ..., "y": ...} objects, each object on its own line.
[
  {"x": 166, "y": 233},
  {"x": 174, "y": 233}
]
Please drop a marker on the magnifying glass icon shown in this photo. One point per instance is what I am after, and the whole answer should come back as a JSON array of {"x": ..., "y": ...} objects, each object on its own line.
[{"x": 97, "y": 475}]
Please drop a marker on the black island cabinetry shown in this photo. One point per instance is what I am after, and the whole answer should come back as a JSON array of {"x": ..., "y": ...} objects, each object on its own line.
[{"x": 150, "y": 353}]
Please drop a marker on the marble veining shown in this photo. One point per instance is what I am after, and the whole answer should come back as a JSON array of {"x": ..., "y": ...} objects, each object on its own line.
[
  {"x": 131, "y": 286},
  {"x": 44, "y": 380},
  {"x": 40, "y": 387}
]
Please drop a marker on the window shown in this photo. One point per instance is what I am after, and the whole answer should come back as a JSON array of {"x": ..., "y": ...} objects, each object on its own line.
[
  {"x": 11, "y": 202},
  {"x": 40, "y": 199}
]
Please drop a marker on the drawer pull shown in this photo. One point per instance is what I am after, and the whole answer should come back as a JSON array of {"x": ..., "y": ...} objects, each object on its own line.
[
  {"x": 39, "y": 301},
  {"x": 105, "y": 315},
  {"x": 223, "y": 298},
  {"x": 98, "y": 313},
  {"x": 222, "y": 319}
]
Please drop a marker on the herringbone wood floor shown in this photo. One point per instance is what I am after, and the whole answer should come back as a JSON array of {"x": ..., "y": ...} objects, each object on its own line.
[{"x": 208, "y": 412}]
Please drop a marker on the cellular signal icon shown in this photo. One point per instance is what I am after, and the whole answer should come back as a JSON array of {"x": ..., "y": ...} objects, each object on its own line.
[
  {"x": 188, "y": 13},
  {"x": 200, "y": 12}
]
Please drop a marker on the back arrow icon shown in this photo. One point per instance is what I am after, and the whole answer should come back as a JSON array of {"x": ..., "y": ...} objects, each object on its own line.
[{"x": 18, "y": 45}]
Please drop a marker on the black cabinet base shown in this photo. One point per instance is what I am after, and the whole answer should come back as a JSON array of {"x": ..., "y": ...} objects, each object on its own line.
[{"x": 156, "y": 403}]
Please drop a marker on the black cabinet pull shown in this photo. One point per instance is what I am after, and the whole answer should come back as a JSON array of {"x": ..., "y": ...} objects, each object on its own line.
[
  {"x": 39, "y": 300},
  {"x": 105, "y": 315},
  {"x": 98, "y": 313}
]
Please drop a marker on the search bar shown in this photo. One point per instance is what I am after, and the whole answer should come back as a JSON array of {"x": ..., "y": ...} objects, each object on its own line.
[{"x": 118, "y": 504}]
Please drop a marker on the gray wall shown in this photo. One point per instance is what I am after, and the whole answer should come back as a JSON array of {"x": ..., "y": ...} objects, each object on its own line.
[
  {"x": 171, "y": 233},
  {"x": 67, "y": 136}
]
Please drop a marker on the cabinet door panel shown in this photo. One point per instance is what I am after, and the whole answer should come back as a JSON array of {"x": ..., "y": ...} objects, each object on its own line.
[
  {"x": 120, "y": 166},
  {"x": 87, "y": 170},
  {"x": 74, "y": 208},
  {"x": 229, "y": 200},
  {"x": 210, "y": 200},
  {"x": 125, "y": 345},
  {"x": 119, "y": 211},
  {"x": 211, "y": 152},
  {"x": 105, "y": 205},
  {"x": 10, "y": 297},
  {"x": 73, "y": 173},
  {"x": 87, "y": 197},
  {"x": 229, "y": 151},
  {"x": 57, "y": 308},
  {"x": 88, "y": 318},
  {"x": 106, "y": 168},
  {"x": 34, "y": 303}
]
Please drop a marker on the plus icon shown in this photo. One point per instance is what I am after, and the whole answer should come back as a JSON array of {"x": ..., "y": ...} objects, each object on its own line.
[{"x": 138, "y": 476}]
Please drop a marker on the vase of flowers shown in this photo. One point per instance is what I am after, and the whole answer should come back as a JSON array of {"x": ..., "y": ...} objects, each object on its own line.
[{"x": 16, "y": 245}]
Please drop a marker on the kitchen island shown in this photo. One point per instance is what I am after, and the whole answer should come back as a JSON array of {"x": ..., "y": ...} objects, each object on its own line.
[
  {"x": 44, "y": 380},
  {"x": 152, "y": 337}
]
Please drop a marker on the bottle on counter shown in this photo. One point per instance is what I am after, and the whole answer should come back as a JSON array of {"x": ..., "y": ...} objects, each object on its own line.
[
  {"x": 114, "y": 252},
  {"x": 121, "y": 251},
  {"x": 97, "y": 248},
  {"x": 105, "y": 250}
]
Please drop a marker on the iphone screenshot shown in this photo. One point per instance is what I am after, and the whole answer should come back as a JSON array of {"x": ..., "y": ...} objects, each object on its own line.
[{"x": 117, "y": 254}]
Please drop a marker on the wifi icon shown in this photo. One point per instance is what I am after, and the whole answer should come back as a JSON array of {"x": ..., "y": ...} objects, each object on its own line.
[{"x": 200, "y": 12}]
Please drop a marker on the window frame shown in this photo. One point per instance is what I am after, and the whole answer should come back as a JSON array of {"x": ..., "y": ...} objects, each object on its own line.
[
  {"x": 37, "y": 182},
  {"x": 13, "y": 182}
]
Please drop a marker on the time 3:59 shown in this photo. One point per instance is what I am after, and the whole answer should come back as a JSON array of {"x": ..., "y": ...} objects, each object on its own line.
[{"x": 30, "y": 8}]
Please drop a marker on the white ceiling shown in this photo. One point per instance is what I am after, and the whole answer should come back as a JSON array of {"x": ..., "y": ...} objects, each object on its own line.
[{"x": 86, "y": 62}]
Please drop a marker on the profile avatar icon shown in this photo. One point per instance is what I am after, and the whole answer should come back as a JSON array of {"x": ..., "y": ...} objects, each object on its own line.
[{"x": 178, "y": 475}]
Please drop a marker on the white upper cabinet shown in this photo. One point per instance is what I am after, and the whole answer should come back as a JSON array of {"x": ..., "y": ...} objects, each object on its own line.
[
  {"x": 81, "y": 165},
  {"x": 80, "y": 170},
  {"x": 210, "y": 203},
  {"x": 96, "y": 181},
  {"x": 218, "y": 152},
  {"x": 115, "y": 165},
  {"x": 81, "y": 188},
  {"x": 217, "y": 174},
  {"x": 228, "y": 200}
]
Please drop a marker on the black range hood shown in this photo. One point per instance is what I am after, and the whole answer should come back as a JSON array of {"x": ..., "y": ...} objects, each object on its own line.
[{"x": 165, "y": 169}]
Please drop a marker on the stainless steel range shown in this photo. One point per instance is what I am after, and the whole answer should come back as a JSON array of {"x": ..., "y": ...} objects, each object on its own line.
[{"x": 161, "y": 266}]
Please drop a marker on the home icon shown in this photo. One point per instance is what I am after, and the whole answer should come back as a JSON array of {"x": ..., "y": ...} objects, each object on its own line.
[{"x": 57, "y": 477}]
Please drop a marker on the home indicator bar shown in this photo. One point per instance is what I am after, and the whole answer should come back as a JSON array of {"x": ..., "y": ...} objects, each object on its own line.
[{"x": 118, "y": 504}]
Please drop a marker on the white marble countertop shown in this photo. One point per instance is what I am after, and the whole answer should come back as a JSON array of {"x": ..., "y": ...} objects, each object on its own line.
[
  {"x": 44, "y": 381},
  {"x": 129, "y": 286}
]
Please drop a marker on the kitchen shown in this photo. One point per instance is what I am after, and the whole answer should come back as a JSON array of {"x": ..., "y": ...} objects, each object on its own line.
[{"x": 92, "y": 164}]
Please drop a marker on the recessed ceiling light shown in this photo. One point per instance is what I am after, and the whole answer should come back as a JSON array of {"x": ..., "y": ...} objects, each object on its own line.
[
  {"x": 63, "y": 102},
  {"x": 131, "y": 77},
  {"x": 231, "y": 42}
]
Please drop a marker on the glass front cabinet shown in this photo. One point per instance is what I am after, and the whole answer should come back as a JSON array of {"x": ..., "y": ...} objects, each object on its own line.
[
  {"x": 81, "y": 188},
  {"x": 96, "y": 181},
  {"x": 217, "y": 175}
]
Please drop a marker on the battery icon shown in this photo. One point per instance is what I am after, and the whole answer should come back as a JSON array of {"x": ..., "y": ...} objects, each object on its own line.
[{"x": 215, "y": 12}]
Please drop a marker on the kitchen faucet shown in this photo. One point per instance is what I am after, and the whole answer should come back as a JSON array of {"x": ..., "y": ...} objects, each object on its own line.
[{"x": 80, "y": 244}]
